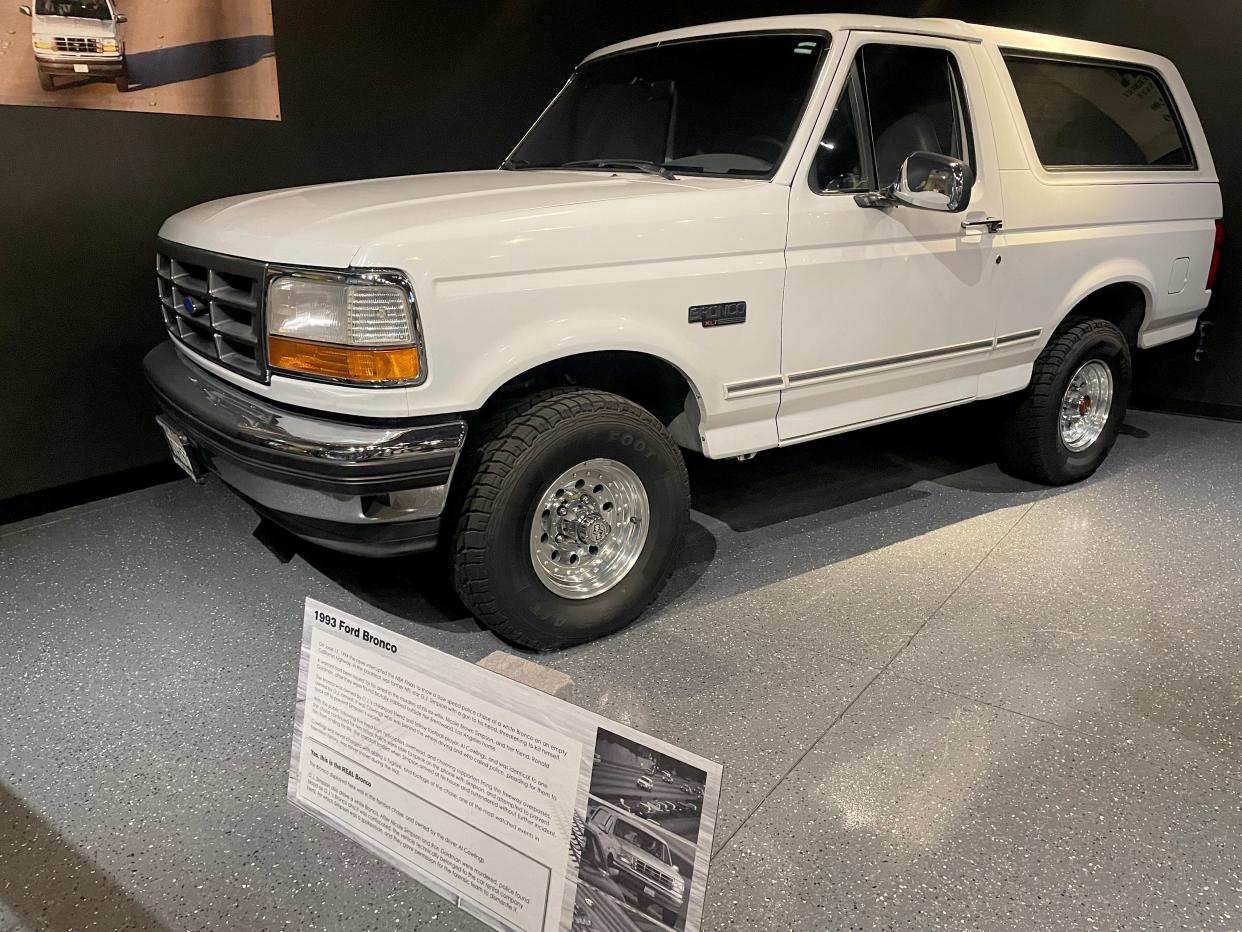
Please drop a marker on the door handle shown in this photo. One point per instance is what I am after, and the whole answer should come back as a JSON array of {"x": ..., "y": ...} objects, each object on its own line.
[{"x": 993, "y": 224}]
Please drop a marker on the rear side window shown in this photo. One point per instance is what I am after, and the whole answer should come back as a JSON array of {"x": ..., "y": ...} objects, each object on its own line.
[{"x": 1098, "y": 115}]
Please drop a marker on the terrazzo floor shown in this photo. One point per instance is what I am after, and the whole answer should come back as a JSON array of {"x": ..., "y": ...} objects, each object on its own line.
[{"x": 944, "y": 699}]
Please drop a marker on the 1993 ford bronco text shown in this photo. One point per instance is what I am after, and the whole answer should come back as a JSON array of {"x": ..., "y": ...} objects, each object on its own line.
[{"x": 722, "y": 239}]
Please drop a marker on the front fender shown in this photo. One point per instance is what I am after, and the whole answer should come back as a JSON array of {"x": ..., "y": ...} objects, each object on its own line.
[{"x": 532, "y": 351}]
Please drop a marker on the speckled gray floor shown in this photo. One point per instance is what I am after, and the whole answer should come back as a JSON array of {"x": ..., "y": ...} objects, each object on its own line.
[{"x": 944, "y": 699}]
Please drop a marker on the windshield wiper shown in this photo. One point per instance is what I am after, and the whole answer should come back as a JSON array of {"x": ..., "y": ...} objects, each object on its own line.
[
  {"x": 651, "y": 168},
  {"x": 513, "y": 165}
]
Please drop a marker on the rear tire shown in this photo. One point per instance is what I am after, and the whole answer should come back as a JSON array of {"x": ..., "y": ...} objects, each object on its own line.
[
  {"x": 624, "y": 540},
  {"x": 1053, "y": 434}
]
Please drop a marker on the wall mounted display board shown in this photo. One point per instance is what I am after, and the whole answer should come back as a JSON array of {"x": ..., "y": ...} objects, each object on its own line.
[
  {"x": 201, "y": 57},
  {"x": 528, "y": 812}
]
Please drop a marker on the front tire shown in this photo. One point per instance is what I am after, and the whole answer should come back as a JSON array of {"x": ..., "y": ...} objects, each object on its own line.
[
  {"x": 1068, "y": 418},
  {"x": 46, "y": 81},
  {"x": 573, "y": 519}
]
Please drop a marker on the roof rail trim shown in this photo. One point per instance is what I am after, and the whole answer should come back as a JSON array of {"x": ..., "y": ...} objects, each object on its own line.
[{"x": 930, "y": 33}]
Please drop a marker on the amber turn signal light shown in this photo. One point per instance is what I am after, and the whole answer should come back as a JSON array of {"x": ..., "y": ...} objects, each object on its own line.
[{"x": 343, "y": 362}]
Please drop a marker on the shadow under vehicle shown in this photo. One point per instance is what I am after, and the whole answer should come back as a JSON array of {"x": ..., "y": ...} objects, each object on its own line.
[{"x": 77, "y": 38}]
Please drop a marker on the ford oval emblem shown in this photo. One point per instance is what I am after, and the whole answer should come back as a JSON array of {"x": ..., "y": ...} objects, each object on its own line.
[{"x": 188, "y": 303}]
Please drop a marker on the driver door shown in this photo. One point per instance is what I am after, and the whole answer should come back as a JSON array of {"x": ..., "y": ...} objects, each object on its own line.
[{"x": 888, "y": 311}]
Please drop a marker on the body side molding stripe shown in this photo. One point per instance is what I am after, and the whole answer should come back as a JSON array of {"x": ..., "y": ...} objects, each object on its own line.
[
  {"x": 1020, "y": 337},
  {"x": 859, "y": 368},
  {"x": 772, "y": 383},
  {"x": 814, "y": 376}
]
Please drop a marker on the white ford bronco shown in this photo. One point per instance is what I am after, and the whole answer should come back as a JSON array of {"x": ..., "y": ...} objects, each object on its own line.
[
  {"x": 721, "y": 239},
  {"x": 77, "y": 38},
  {"x": 636, "y": 857}
]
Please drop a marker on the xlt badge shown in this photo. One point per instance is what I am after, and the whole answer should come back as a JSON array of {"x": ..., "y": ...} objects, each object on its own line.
[{"x": 718, "y": 315}]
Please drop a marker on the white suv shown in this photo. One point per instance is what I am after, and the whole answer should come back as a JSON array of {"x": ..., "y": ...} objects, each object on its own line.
[
  {"x": 77, "y": 38},
  {"x": 721, "y": 239}
]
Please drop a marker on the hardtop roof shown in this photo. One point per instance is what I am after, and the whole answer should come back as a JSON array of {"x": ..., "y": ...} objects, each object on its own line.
[{"x": 847, "y": 22}]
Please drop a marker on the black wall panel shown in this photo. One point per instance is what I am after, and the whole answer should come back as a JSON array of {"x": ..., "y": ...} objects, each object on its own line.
[{"x": 379, "y": 87}]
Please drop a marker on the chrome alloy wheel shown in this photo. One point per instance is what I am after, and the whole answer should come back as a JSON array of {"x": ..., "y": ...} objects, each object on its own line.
[
  {"x": 1087, "y": 403},
  {"x": 589, "y": 528}
]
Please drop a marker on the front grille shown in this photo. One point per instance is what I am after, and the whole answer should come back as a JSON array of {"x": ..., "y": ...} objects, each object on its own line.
[
  {"x": 76, "y": 44},
  {"x": 651, "y": 873},
  {"x": 213, "y": 305}
]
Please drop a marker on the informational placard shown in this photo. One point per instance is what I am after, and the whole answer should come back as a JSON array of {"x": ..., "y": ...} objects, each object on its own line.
[{"x": 526, "y": 811}]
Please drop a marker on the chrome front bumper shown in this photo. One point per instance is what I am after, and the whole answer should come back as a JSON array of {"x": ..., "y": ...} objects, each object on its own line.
[
  {"x": 371, "y": 488},
  {"x": 63, "y": 63}
]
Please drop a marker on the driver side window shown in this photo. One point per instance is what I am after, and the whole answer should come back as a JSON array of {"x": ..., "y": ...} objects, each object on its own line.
[
  {"x": 899, "y": 99},
  {"x": 840, "y": 163}
]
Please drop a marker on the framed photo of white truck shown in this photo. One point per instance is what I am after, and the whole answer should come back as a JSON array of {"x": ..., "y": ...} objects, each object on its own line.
[
  {"x": 643, "y": 822},
  {"x": 893, "y": 217},
  {"x": 142, "y": 55}
]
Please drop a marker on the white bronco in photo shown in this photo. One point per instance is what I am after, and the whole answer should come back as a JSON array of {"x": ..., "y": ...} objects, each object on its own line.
[{"x": 721, "y": 239}]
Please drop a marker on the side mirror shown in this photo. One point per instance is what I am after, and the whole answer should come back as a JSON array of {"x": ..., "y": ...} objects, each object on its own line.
[
  {"x": 927, "y": 181},
  {"x": 25, "y": 10},
  {"x": 121, "y": 18},
  {"x": 934, "y": 182}
]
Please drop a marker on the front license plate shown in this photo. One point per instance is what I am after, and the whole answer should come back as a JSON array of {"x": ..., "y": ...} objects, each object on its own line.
[
  {"x": 81, "y": 69},
  {"x": 648, "y": 892},
  {"x": 179, "y": 445}
]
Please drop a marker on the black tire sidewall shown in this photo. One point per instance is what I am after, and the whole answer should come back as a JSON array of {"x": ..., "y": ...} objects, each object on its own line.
[
  {"x": 527, "y": 601},
  {"x": 1109, "y": 347}
]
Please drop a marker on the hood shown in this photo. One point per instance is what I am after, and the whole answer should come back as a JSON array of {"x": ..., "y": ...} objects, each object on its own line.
[
  {"x": 76, "y": 26},
  {"x": 328, "y": 225}
]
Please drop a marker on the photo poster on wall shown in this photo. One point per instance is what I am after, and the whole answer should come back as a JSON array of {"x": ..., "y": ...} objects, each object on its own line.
[
  {"x": 526, "y": 811},
  {"x": 198, "y": 57}
]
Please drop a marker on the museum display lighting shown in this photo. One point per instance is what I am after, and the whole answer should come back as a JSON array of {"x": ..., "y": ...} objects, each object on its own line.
[{"x": 350, "y": 327}]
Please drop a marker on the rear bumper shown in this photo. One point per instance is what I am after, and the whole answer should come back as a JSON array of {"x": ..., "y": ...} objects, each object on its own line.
[{"x": 370, "y": 488}]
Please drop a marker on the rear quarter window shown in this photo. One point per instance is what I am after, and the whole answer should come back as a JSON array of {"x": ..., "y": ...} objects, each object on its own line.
[{"x": 1098, "y": 115}]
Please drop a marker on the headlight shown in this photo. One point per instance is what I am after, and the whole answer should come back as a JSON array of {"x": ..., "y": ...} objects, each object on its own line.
[
  {"x": 43, "y": 42},
  {"x": 349, "y": 327},
  {"x": 109, "y": 45}
]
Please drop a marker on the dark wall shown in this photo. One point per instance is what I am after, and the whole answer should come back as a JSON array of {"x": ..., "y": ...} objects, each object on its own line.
[{"x": 431, "y": 87}]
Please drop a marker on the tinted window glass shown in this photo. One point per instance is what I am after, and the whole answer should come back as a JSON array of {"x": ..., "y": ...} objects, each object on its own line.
[
  {"x": 839, "y": 161},
  {"x": 1084, "y": 115},
  {"x": 81, "y": 9},
  {"x": 713, "y": 106},
  {"x": 915, "y": 106}
]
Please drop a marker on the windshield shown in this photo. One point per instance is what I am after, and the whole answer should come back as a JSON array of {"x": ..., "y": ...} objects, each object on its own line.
[
  {"x": 82, "y": 9},
  {"x": 725, "y": 106},
  {"x": 647, "y": 843}
]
